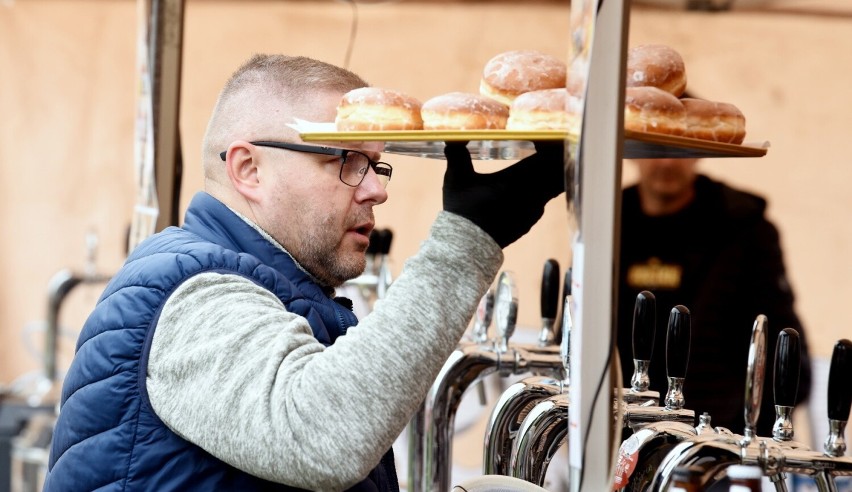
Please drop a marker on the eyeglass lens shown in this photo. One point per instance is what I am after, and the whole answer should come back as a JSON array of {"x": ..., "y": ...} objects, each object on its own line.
[{"x": 356, "y": 166}]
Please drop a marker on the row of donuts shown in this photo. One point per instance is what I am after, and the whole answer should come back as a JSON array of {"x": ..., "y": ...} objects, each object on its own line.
[{"x": 528, "y": 90}]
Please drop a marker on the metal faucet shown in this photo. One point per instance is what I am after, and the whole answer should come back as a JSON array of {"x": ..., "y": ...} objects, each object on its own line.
[
  {"x": 507, "y": 417},
  {"x": 59, "y": 286},
  {"x": 788, "y": 362},
  {"x": 517, "y": 400},
  {"x": 678, "y": 339},
  {"x": 385, "y": 276},
  {"x": 711, "y": 454},
  {"x": 30, "y": 448},
  {"x": 545, "y": 428},
  {"x": 651, "y": 446},
  {"x": 431, "y": 429},
  {"x": 644, "y": 333},
  {"x": 550, "y": 331},
  {"x": 543, "y": 431},
  {"x": 520, "y": 399}
]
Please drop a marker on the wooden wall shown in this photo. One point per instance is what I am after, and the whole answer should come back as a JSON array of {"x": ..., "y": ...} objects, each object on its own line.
[{"x": 67, "y": 89}]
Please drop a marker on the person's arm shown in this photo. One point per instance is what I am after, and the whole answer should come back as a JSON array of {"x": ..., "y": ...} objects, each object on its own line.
[{"x": 235, "y": 373}]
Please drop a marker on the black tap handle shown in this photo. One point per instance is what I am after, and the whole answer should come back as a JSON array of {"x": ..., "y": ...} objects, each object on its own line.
[
  {"x": 678, "y": 341},
  {"x": 839, "y": 389},
  {"x": 788, "y": 361},
  {"x": 386, "y": 240},
  {"x": 550, "y": 289},
  {"x": 560, "y": 322},
  {"x": 644, "y": 325}
]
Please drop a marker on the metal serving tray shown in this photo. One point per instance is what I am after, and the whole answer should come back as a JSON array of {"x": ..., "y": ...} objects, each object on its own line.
[{"x": 510, "y": 145}]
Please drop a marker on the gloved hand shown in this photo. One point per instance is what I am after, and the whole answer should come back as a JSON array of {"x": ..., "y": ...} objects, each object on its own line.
[{"x": 507, "y": 203}]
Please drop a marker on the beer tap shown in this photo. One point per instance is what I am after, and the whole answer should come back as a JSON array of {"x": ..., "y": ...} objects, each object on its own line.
[
  {"x": 711, "y": 454},
  {"x": 731, "y": 444},
  {"x": 542, "y": 432},
  {"x": 59, "y": 286},
  {"x": 545, "y": 427},
  {"x": 655, "y": 429},
  {"x": 383, "y": 272},
  {"x": 678, "y": 339},
  {"x": 839, "y": 404},
  {"x": 431, "y": 429},
  {"x": 831, "y": 462},
  {"x": 823, "y": 467},
  {"x": 506, "y": 309},
  {"x": 549, "y": 303},
  {"x": 754, "y": 379},
  {"x": 785, "y": 384},
  {"x": 644, "y": 330},
  {"x": 518, "y": 400},
  {"x": 515, "y": 402},
  {"x": 482, "y": 321},
  {"x": 839, "y": 398},
  {"x": 533, "y": 466}
]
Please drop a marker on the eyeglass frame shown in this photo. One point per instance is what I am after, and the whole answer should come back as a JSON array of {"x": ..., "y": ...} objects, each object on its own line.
[{"x": 316, "y": 149}]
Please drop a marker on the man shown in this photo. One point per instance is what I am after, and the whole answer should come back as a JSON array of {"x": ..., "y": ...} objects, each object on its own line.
[
  {"x": 216, "y": 358},
  {"x": 694, "y": 241}
]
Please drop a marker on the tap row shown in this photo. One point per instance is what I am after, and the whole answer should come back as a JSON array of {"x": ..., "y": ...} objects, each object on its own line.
[{"x": 529, "y": 421}]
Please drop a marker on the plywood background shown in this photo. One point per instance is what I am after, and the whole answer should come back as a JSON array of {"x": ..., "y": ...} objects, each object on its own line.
[{"x": 67, "y": 91}]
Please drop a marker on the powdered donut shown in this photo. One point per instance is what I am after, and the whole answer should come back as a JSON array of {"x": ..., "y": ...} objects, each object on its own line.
[
  {"x": 716, "y": 121},
  {"x": 513, "y": 73},
  {"x": 653, "y": 110},
  {"x": 658, "y": 66},
  {"x": 548, "y": 109},
  {"x": 463, "y": 111},
  {"x": 376, "y": 109}
]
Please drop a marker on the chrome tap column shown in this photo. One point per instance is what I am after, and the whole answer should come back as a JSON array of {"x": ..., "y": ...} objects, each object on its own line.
[
  {"x": 517, "y": 400},
  {"x": 431, "y": 429},
  {"x": 545, "y": 428}
]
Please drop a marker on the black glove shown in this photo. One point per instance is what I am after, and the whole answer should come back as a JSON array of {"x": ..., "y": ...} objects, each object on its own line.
[{"x": 507, "y": 203}]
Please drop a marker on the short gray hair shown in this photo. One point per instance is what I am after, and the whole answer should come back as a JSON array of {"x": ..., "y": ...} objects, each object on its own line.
[
  {"x": 295, "y": 76},
  {"x": 259, "y": 82}
]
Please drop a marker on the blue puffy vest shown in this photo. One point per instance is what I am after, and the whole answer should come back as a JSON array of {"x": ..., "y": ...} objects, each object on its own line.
[{"x": 107, "y": 436}]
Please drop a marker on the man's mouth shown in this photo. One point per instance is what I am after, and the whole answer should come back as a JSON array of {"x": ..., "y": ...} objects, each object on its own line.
[{"x": 364, "y": 229}]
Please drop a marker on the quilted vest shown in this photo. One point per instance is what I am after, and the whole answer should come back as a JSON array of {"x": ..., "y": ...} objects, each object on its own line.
[{"x": 107, "y": 436}]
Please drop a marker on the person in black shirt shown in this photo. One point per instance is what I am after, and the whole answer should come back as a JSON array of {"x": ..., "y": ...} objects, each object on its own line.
[{"x": 694, "y": 241}]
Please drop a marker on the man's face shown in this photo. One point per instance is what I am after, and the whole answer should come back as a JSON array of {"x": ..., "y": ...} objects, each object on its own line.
[
  {"x": 324, "y": 223},
  {"x": 667, "y": 179}
]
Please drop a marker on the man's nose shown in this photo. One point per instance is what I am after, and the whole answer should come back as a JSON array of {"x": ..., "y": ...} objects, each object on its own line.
[{"x": 371, "y": 189}]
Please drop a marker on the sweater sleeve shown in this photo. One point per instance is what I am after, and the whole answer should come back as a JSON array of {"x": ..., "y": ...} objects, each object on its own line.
[{"x": 232, "y": 371}]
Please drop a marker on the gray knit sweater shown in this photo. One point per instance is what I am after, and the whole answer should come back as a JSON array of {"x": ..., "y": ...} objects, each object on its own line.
[{"x": 234, "y": 372}]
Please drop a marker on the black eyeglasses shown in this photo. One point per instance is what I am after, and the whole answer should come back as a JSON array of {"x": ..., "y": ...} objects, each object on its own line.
[{"x": 353, "y": 164}]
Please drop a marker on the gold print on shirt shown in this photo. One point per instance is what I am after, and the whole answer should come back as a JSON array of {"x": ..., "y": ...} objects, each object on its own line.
[{"x": 654, "y": 274}]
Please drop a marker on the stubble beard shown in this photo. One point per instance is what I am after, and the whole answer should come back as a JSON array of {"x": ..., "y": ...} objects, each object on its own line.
[{"x": 320, "y": 254}]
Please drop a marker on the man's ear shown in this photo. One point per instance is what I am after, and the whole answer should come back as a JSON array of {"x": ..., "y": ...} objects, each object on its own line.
[{"x": 241, "y": 165}]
